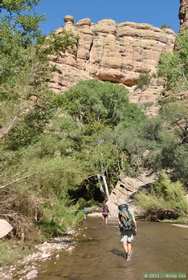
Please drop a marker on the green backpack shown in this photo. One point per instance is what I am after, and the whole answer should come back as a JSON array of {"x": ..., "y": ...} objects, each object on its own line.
[{"x": 127, "y": 220}]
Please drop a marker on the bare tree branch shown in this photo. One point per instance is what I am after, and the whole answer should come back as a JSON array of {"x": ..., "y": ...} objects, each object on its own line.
[{"x": 15, "y": 181}]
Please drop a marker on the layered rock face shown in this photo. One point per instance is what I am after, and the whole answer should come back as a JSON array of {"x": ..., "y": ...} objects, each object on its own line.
[
  {"x": 116, "y": 52},
  {"x": 125, "y": 190},
  {"x": 183, "y": 14}
]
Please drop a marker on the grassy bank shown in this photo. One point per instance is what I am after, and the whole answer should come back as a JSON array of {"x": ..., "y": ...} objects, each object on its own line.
[{"x": 11, "y": 251}]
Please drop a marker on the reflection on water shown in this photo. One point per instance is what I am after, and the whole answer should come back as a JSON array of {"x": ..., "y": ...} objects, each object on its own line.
[{"x": 99, "y": 256}]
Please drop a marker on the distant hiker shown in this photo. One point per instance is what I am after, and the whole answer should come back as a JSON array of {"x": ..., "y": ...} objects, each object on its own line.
[
  {"x": 105, "y": 213},
  {"x": 86, "y": 211},
  {"x": 128, "y": 228}
]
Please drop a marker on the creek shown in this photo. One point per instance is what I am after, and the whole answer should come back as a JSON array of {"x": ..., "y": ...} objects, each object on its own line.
[{"x": 158, "y": 247}]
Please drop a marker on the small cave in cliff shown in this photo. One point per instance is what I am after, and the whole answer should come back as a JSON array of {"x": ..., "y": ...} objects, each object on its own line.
[{"x": 88, "y": 191}]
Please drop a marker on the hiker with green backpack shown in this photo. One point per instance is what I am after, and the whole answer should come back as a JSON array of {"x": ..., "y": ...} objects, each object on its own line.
[{"x": 128, "y": 228}]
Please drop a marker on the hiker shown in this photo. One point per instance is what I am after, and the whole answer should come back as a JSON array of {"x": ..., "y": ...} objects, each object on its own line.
[
  {"x": 128, "y": 228},
  {"x": 85, "y": 212},
  {"x": 105, "y": 213}
]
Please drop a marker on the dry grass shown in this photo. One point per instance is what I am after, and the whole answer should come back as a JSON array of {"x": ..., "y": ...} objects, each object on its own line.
[
  {"x": 21, "y": 210},
  {"x": 11, "y": 251}
]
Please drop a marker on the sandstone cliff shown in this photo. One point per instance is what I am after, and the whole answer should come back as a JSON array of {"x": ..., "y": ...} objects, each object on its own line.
[
  {"x": 117, "y": 52},
  {"x": 183, "y": 14},
  {"x": 125, "y": 190}
]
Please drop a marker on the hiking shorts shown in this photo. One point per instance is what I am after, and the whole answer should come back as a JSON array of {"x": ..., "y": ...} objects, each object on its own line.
[
  {"x": 105, "y": 215},
  {"x": 127, "y": 237}
]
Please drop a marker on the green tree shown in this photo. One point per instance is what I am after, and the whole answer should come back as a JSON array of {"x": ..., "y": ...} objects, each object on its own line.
[
  {"x": 173, "y": 66},
  {"x": 99, "y": 109},
  {"x": 24, "y": 66},
  {"x": 96, "y": 101},
  {"x": 26, "y": 108}
]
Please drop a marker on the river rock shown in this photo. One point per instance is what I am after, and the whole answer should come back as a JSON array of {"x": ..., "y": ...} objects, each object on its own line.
[
  {"x": 32, "y": 274},
  {"x": 5, "y": 276},
  {"x": 156, "y": 215},
  {"x": 5, "y": 228}
]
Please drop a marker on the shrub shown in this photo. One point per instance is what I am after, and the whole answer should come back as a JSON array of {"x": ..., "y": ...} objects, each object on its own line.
[
  {"x": 164, "y": 195},
  {"x": 143, "y": 81},
  {"x": 173, "y": 66},
  {"x": 165, "y": 26},
  {"x": 59, "y": 217}
]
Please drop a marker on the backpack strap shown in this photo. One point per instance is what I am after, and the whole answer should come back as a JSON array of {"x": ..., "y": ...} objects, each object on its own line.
[{"x": 126, "y": 214}]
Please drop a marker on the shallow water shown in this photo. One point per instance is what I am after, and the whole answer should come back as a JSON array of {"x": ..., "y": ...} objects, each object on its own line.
[{"x": 98, "y": 255}]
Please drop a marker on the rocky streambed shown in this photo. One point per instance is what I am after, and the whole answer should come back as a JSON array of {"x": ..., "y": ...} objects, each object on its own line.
[{"x": 27, "y": 268}]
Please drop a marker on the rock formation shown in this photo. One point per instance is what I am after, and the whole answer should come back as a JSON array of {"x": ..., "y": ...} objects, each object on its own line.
[
  {"x": 125, "y": 189},
  {"x": 183, "y": 14},
  {"x": 116, "y": 52}
]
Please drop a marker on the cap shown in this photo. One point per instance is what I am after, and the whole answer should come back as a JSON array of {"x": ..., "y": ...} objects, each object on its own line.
[{"x": 123, "y": 207}]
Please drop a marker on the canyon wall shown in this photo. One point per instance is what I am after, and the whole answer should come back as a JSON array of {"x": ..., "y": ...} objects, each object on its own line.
[
  {"x": 116, "y": 52},
  {"x": 183, "y": 14}
]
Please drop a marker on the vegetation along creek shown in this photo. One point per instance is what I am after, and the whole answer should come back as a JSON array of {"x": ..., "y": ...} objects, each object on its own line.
[{"x": 92, "y": 115}]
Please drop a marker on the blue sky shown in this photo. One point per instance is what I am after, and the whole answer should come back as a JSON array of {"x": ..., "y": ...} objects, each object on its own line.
[{"x": 156, "y": 12}]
